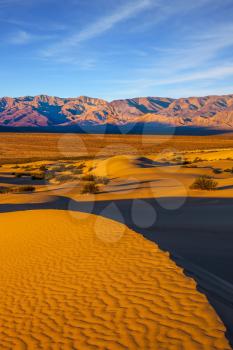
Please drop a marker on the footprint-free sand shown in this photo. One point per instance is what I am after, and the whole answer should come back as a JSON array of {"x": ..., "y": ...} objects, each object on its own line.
[{"x": 77, "y": 281}]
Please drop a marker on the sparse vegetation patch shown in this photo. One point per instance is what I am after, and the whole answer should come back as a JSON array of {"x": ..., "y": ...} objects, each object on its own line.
[
  {"x": 90, "y": 187},
  {"x": 204, "y": 183}
]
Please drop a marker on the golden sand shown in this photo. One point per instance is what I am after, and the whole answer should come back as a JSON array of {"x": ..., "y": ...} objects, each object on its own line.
[{"x": 66, "y": 284}]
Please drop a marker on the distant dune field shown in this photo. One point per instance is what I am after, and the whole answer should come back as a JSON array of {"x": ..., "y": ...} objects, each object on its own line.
[{"x": 22, "y": 146}]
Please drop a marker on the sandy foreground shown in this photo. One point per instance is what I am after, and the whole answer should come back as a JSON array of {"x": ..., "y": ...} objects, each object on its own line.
[{"x": 86, "y": 282}]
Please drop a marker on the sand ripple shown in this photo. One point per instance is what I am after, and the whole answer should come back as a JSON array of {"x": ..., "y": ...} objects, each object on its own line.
[{"x": 61, "y": 287}]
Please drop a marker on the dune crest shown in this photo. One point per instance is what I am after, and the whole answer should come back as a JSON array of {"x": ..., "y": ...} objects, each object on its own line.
[{"x": 62, "y": 287}]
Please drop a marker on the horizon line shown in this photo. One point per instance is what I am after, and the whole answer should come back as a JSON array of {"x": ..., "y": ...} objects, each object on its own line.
[{"x": 109, "y": 101}]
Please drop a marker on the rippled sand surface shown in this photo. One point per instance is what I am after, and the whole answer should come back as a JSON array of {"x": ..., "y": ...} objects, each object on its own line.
[{"x": 84, "y": 282}]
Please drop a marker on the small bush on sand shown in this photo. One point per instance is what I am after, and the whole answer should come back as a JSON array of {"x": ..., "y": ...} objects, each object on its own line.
[
  {"x": 197, "y": 159},
  {"x": 217, "y": 171},
  {"x": 64, "y": 177},
  {"x": 19, "y": 175},
  {"x": 4, "y": 190},
  {"x": 204, "y": 183},
  {"x": 59, "y": 168},
  {"x": 186, "y": 162},
  {"x": 49, "y": 175},
  {"x": 102, "y": 180},
  {"x": 229, "y": 170},
  {"x": 17, "y": 189},
  {"x": 97, "y": 179},
  {"x": 43, "y": 168},
  {"x": 26, "y": 188},
  {"x": 81, "y": 166},
  {"x": 27, "y": 168},
  {"x": 90, "y": 187},
  {"x": 89, "y": 177},
  {"x": 76, "y": 171},
  {"x": 38, "y": 176}
]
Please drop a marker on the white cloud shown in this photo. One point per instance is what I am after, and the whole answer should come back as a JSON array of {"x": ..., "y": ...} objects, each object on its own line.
[{"x": 100, "y": 26}]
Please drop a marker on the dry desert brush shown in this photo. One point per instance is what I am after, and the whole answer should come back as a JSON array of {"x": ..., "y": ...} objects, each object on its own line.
[
  {"x": 90, "y": 187},
  {"x": 204, "y": 182},
  {"x": 17, "y": 189}
]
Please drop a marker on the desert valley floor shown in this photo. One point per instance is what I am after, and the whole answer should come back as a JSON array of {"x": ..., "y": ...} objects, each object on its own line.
[{"x": 142, "y": 262}]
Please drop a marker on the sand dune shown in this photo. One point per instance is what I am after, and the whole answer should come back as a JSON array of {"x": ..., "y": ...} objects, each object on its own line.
[{"x": 65, "y": 286}]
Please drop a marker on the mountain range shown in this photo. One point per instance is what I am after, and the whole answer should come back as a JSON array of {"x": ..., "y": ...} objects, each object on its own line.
[{"x": 211, "y": 112}]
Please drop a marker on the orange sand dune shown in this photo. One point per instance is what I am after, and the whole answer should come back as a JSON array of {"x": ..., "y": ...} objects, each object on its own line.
[{"x": 78, "y": 282}]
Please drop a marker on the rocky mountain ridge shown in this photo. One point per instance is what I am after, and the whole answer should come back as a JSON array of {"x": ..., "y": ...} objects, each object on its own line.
[{"x": 42, "y": 111}]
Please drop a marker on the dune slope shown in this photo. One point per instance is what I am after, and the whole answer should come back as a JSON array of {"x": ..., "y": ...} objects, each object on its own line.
[{"x": 68, "y": 283}]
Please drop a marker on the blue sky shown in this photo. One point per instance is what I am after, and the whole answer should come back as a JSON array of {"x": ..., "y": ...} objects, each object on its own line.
[{"x": 116, "y": 48}]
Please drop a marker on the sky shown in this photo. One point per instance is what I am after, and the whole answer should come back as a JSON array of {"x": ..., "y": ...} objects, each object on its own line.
[{"x": 115, "y": 49}]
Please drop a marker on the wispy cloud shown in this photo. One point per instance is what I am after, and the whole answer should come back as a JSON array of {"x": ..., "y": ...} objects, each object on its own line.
[
  {"x": 22, "y": 37},
  {"x": 200, "y": 83},
  {"x": 214, "y": 73},
  {"x": 194, "y": 58},
  {"x": 48, "y": 26},
  {"x": 169, "y": 9},
  {"x": 100, "y": 26}
]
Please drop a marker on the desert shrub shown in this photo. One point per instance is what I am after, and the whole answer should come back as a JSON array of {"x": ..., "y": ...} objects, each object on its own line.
[
  {"x": 89, "y": 177},
  {"x": 38, "y": 176},
  {"x": 102, "y": 180},
  {"x": 26, "y": 188},
  {"x": 186, "y": 162},
  {"x": 204, "y": 183},
  {"x": 70, "y": 167},
  {"x": 97, "y": 179},
  {"x": 27, "y": 167},
  {"x": 43, "y": 168},
  {"x": 76, "y": 171},
  {"x": 177, "y": 159},
  {"x": 19, "y": 175},
  {"x": 59, "y": 168},
  {"x": 217, "y": 171},
  {"x": 64, "y": 177},
  {"x": 17, "y": 189},
  {"x": 190, "y": 166},
  {"x": 4, "y": 189},
  {"x": 197, "y": 159},
  {"x": 81, "y": 166},
  {"x": 90, "y": 187},
  {"x": 229, "y": 170},
  {"x": 49, "y": 175}
]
